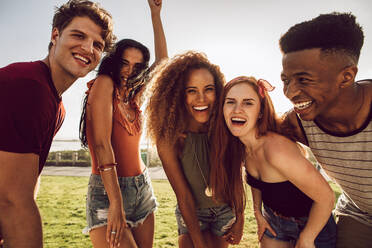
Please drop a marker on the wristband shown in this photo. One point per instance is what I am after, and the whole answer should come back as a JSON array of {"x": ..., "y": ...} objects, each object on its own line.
[{"x": 106, "y": 167}]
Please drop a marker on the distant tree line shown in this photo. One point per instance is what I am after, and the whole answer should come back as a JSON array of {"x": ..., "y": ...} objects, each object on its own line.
[{"x": 82, "y": 158}]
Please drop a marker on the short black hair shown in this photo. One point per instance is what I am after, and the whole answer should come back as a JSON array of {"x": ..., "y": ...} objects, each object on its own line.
[{"x": 329, "y": 32}]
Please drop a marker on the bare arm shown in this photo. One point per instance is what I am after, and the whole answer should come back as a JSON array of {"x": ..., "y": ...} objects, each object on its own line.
[
  {"x": 160, "y": 42},
  {"x": 180, "y": 187},
  {"x": 289, "y": 161},
  {"x": 19, "y": 216},
  {"x": 99, "y": 115},
  {"x": 262, "y": 224}
]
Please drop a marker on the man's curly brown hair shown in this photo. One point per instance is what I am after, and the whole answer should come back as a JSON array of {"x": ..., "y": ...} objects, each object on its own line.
[{"x": 166, "y": 110}]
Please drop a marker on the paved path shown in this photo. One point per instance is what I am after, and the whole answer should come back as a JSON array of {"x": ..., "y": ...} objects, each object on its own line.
[{"x": 155, "y": 172}]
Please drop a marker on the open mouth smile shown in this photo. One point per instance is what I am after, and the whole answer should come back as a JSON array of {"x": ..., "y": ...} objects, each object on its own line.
[
  {"x": 200, "y": 108},
  {"x": 302, "y": 105},
  {"x": 238, "y": 121},
  {"x": 82, "y": 58}
]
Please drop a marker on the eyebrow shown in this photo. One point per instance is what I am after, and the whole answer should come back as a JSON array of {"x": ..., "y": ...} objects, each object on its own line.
[
  {"x": 245, "y": 99},
  {"x": 209, "y": 85},
  {"x": 297, "y": 74},
  {"x": 81, "y": 32}
]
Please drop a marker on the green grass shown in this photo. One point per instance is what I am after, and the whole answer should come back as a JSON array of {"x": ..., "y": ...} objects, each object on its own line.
[{"x": 62, "y": 205}]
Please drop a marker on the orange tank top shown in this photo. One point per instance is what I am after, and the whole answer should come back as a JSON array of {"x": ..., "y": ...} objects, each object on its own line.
[{"x": 125, "y": 138}]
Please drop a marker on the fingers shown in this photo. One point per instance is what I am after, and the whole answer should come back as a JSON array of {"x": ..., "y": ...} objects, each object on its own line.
[
  {"x": 157, "y": 2},
  {"x": 230, "y": 238},
  {"x": 271, "y": 230}
]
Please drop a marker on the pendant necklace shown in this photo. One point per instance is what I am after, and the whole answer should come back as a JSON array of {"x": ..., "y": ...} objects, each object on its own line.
[{"x": 208, "y": 190}]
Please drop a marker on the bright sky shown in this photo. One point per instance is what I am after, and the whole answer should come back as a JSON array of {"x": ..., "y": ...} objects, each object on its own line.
[{"x": 241, "y": 36}]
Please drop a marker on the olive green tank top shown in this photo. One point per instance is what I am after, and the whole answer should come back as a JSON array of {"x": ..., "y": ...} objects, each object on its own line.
[{"x": 195, "y": 161}]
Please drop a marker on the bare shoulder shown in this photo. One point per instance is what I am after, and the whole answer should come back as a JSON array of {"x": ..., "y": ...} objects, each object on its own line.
[
  {"x": 103, "y": 82},
  {"x": 102, "y": 89},
  {"x": 279, "y": 148}
]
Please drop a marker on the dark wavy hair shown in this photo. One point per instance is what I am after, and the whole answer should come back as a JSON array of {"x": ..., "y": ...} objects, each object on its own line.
[
  {"x": 111, "y": 66},
  {"x": 228, "y": 152},
  {"x": 65, "y": 13},
  {"x": 334, "y": 32},
  {"x": 166, "y": 110}
]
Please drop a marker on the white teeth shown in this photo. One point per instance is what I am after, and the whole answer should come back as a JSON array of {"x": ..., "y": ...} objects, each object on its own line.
[
  {"x": 238, "y": 119},
  {"x": 201, "y": 108},
  {"x": 303, "y": 105},
  {"x": 85, "y": 60}
]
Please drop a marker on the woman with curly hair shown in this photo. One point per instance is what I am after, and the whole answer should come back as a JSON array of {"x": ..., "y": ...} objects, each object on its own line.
[
  {"x": 183, "y": 100},
  {"x": 297, "y": 200},
  {"x": 110, "y": 126}
]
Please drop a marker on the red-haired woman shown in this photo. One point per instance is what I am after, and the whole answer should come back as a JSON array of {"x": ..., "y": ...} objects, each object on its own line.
[{"x": 297, "y": 200}]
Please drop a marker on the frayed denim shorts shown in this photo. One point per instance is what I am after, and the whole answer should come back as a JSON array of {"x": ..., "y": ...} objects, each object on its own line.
[
  {"x": 216, "y": 219},
  {"x": 138, "y": 199},
  {"x": 289, "y": 229}
]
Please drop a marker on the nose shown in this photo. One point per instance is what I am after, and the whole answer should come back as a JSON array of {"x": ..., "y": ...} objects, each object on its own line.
[
  {"x": 237, "y": 108},
  {"x": 130, "y": 69},
  {"x": 201, "y": 97},
  {"x": 87, "y": 46},
  {"x": 291, "y": 90}
]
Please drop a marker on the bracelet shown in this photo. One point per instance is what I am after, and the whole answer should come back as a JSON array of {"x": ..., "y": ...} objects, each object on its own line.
[{"x": 106, "y": 167}]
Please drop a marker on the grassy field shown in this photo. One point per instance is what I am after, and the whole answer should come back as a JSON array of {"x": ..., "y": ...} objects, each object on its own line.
[{"x": 62, "y": 205}]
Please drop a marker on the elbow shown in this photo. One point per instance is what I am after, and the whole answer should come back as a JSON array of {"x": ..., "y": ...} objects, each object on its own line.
[{"x": 332, "y": 199}]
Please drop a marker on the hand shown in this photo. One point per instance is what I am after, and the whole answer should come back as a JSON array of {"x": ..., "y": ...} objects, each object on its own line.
[
  {"x": 234, "y": 235},
  {"x": 155, "y": 6},
  {"x": 116, "y": 223},
  {"x": 305, "y": 242},
  {"x": 262, "y": 225}
]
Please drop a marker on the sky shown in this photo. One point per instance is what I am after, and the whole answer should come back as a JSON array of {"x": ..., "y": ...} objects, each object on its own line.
[{"x": 241, "y": 36}]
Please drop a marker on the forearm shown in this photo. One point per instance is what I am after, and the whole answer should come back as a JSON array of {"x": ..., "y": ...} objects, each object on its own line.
[
  {"x": 318, "y": 217},
  {"x": 257, "y": 202},
  {"x": 105, "y": 155},
  {"x": 160, "y": 42},
  {"x": 21, "y": 224},
  {"x": 188, "y": 211}
]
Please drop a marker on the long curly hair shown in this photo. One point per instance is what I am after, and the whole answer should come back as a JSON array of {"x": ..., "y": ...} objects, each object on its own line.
[
  {"x": 166, "y": 110},
  {"x": 228, "y": 152}
]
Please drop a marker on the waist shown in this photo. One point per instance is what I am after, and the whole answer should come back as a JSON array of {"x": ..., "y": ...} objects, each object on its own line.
[
  {"x": 300, "y": 220},
  {"x": 144, "y": 177}
]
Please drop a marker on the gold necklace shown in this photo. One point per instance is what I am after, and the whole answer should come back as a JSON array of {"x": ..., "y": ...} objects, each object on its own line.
[{"x": 208, "y": 190}]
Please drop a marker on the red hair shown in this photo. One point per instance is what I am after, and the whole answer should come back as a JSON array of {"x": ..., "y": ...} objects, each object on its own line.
[{"x": 228, "y": 152}]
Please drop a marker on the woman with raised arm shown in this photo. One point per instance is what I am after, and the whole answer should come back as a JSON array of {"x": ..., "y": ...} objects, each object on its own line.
[
  {"x": 183, "y": 99},
  {"x": 120, "y": 200},
  {"x": 297, "y": 201}
]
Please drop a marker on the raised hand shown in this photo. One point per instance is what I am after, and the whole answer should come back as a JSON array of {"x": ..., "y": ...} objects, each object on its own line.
[{"x": 155, "y": 6}]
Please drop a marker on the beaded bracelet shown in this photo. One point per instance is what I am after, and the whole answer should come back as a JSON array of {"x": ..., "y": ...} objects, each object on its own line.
[{"x": 106, "y": 167}]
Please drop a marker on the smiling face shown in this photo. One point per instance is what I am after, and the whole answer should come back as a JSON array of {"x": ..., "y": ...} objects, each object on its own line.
[
  {"x": 200, "y": 95},
  {"x": 132, "y": 60},
  {"x": 311, "y": 82},
  {"x": 76, "y": 50},
  {"x": 241, "y": 110}
]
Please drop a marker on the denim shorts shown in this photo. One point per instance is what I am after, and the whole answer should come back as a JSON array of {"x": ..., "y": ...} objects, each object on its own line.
[
  {"x": 216, "y": 219},
  {"x": 138, "y": 199},
  {"x": 289, "y": 228}
]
